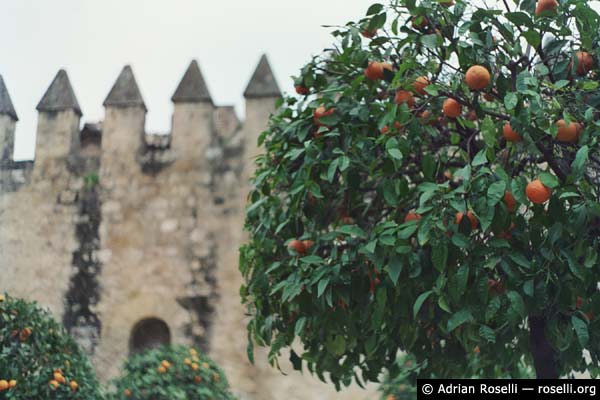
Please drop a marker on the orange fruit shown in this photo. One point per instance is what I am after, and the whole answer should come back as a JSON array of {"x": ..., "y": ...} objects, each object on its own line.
[
  {"x": 374, "y": 70},
  {"x": 187, "y": 361},
  {"x": 420, "y": 84},
  {"x": 537, "y": 192},
  {"x": 470, "y": 215},
  {"x": 165, "y": 363},
  {"x": 476, "y": 350},
  {"x": 3, "y": 385},
  {"x": 297, "y": 246},
  {"x": 320, "y": 112},
  {"x": 53, "y": 384},
  {"x": 308, "y": 244},
  {"x": 390, "y": 397},
  {"x": 12, "y": 383},
  {"x": 195, "y": 366},
  {"x": 193, "y": 352},
  {"x": 585, "y": 62},
  {"x": 73, "y": 385},
  {"x": 59, "y": 378},
  {"x": 510, "y": 134},
  {"x": 127, "y": 393},
  {"x": 161, "y": 370},
  {"x": 545, "y": 5},
  {"x": 404, "y": 96},
  {"x": 509, "y": 201},
  {"x": 198, "y": 379},
  {"x": 451, "y": 108},
  {"x": 412, "y": 216},
  {"x": 478, "y": 77},
  {"x": 567, "y": 133},
  {"x": 302, "y": 90},
  {"x": 579, "y": 302},
  {"x": 216, "y": 377}
]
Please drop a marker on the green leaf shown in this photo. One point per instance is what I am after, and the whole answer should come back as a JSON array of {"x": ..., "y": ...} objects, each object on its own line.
[
  {"x": 480, "y": 158},
  {"x": 336, "y": 344},
  {"x": 439, "y": 256},
  {"x": 487, "y": 333},
  {"x": 520, "y": 260},
  {"x": 510, "y": 100},
  {"x": 517, "y": 305},
  {"x": 532, "y": 37},
  {"x": 459, "y": 318},
  {"x": 322, "y": 286},
  {"x": 419, "y": 302},
  {"x": 395, "y": 153},
  {"x": 495, "y": 193},
  {"x": 489, "y": 132},
  {"x": 581, "y": 329},
  {"x": 394, "y": 268},
  {"x": 352, "y": 230},
  {"x": 375, "y": 9},
  {"x": 549, "y": 180},
  {"x": 579, "y": 162}
]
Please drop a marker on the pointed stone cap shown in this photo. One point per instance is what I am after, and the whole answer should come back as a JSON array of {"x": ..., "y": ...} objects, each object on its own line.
[
  {"x": 125, "y": 92},
  {"x": 6, "y": 105},
  {"x": 192, "y": 88},
  {"x": 262, "y": 83},
  {"x": 59, "y": 96}
]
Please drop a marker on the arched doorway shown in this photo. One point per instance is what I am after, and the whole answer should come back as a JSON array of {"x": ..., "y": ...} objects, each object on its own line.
[{"x": 149, "y": 333}]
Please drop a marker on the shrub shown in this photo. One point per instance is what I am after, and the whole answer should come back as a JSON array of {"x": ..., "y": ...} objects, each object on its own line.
[
  {"x": 171, "y": 373},
  {"x": 38, "y": 359}
]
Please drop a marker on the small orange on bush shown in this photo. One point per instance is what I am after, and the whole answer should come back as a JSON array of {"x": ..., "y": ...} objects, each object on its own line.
[
  {"x": 477, "y": 77},
  {"x": 567, "y": 133},
  {"x": 510, "y": 134},
  {"x": 404, "y": 96},
  {"x": 537, "y": 192},
  {"x": 545, "y": 5},
  {"x": 470, "y": 215},
  {"x": 3, "y": 384},
  {"x": 73, "y": 385},
  {"x": 451, "y": 108},
  {"x": 420, "y": 84},
  {"x": 509, "y": 201}
]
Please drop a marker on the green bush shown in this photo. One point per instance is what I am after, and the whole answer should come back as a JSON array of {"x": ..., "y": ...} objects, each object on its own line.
[
  {"x": 171, "y": 373},
  {"x": 38, "y": 359}
]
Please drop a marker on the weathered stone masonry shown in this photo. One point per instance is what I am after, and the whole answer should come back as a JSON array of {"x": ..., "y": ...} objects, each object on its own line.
[{"x": 131, "y": 238}]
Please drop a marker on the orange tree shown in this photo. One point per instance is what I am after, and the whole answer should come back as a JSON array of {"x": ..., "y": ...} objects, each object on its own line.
[
  {"x": 434, "y": 190},
  {"x": 38, "y": 359},
  {"x": 171, "y": 373}
]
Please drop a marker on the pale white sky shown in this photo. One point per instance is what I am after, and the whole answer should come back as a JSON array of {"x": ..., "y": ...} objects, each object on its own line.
[{"x": 94, "y": 39}]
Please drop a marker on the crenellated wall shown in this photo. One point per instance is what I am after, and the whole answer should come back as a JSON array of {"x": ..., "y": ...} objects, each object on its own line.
[{"x": 111, "y": 225}]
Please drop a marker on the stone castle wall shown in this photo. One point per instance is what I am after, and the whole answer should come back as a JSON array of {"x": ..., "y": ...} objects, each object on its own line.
[{"x": 111, "y": 226}]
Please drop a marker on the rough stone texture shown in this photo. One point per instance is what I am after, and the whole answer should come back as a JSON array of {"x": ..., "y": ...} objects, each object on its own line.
[
  {"x": 125, "y": 92},
  {"x": 116, "y": 225},
  {"x": 60, "y": 95},
  {"x": 7, "y": 136},
  {"x": 192, "y": 88},
  {"x": 262, "y": 83},
  {"x": 6, "y": 105}
]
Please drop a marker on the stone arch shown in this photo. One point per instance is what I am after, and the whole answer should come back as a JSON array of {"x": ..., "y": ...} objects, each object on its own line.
[{"x": 149, "y": 333}]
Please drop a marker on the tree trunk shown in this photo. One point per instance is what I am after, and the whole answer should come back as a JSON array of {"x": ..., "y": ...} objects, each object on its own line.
[{"x": 544, "y": 357}]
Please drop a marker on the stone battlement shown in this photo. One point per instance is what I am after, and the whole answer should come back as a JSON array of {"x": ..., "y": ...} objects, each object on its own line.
[{"x": 124, "y": 104}]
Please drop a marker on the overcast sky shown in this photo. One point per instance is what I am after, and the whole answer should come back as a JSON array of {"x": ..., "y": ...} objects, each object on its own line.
[{"x": 94, "y": 39}]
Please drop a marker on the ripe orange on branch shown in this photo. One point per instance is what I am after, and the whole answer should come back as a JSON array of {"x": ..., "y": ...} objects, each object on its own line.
[
  {"x": 375, "y": 70},
  {"x": 567, "y": 132},
  {"x": 510, "y": 134},
  {"x": 451, "y": 108},
  {"x": 477, "y": 77},
  {"x": 412, "y": 216},
  {"x": 585, "y": 62},
  {"x": 404, "y": 96},
  {"x": 470, "y": 215},
  {"x": 537, "y": 192},
  {"x": 509, "y": 201},
  {"x": 545, "y": 5},
  {"x": 420, "y": 84}
]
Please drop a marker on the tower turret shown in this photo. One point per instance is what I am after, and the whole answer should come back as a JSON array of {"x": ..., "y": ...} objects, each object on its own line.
[
  {"x": 192, "y": 116},
  {"x": 124, "y": 121},
  {"x": 8, "y": 123},
  {"x": 260, "y": 94},
  {"x": 58, "y": 126}
]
